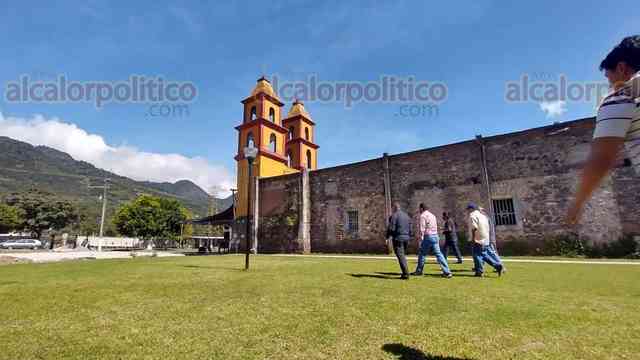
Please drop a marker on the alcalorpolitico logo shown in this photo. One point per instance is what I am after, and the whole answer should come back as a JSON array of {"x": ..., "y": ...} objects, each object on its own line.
[
  {"x": 385, "y": 89},
  {"x": 137, "y": 89},
  {"x": 555, "y": 88}
]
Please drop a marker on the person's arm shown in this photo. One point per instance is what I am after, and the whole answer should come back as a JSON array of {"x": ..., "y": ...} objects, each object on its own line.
[
  {"x": 604, "y": 152},
  {"x": 473, "y": 227},
  {"x": 612, "y": 124},
  {"x": 394, "y": 224},
  {"x": 423, "y": 226}
]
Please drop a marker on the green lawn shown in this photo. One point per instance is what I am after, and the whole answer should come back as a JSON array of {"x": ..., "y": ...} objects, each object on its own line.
[{"x": 314, "y": 308}]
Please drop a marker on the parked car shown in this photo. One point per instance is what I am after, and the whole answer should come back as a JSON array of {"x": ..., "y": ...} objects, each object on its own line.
[{"x": 21, "y": 244}]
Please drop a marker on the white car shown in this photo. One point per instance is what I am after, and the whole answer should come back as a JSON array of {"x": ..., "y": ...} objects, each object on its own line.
[{"x": 21, "y": 244}]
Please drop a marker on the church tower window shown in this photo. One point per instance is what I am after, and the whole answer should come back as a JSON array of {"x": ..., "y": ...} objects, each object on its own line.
[
  {"x": 250, "y": 142},
  {"x": 272, "y": 143}
]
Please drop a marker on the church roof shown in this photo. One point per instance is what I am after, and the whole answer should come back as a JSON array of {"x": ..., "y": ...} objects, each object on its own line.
[
  {"x": 264, "y": 86},
  {"x": 222, "y": 218},
  {"x": 298, "y": 109}
]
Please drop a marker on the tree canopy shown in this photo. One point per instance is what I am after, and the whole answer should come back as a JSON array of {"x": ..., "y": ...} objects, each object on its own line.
[
  {"x": 151, "y": 218},
  {"x": 11, "y": 218},
  {"x": 42, "y": 211}
]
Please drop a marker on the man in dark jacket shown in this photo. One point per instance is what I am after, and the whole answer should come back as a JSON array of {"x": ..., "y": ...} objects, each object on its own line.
[
  {"x": 450, "y": 237},
  {"x": 399, "y": 229}
]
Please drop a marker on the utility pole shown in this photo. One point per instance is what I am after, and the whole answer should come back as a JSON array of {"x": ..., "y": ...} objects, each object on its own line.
[{"x": 104, "y": 188}]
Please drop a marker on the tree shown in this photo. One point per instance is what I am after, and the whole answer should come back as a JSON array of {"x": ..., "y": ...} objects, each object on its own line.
[
  {"x": 10, "y": 218},
  {"x": 151, "y": 218},
  {"x": 42, "y": 211}
]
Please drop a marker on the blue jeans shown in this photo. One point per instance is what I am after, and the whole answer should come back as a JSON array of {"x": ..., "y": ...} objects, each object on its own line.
[
  {"x": 495, "y": 252},
  {"x": 482, "y": 254},
  {"x": 431, "y": 243}
]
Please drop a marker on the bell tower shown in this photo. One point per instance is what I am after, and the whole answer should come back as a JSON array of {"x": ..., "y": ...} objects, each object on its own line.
[
  {"x": 261, "y": 128},
  {"x": 300, "y": 150}
]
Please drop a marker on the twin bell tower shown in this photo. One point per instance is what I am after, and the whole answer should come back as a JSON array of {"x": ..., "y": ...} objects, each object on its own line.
[{"x": 284, "y": 146}]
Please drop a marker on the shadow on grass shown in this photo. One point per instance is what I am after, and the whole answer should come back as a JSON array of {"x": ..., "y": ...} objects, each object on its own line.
[
  {"x": 439, "y": 275},
  {"x": 376, "y": 276},
  {"x": 408, "y": 353},
  {"x": 211, "y": 267}
]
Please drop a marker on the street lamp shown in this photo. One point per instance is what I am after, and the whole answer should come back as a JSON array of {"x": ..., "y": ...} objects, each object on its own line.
[{"x": 250, "y": 154}]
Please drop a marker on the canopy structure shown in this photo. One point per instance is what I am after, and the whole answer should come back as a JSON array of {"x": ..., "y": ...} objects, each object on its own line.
[{"x": 221, "y": 218}]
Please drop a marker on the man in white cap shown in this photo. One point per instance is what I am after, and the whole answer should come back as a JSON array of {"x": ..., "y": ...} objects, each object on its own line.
[{"x": 479, "y": 235}]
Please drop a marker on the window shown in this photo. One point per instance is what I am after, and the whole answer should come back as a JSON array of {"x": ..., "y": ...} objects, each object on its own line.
[
  {"x": 253, "y": 113},
  {"x": 289, "y": 158},
  {"x": 291, "y": 131},
  {"x": 504, "y": 211},
  {"x": 272, "y": 115},
  {"x": 308, "y": 159},
  {"x": 306, "y": 133},
  {"x": 272, "y": 143},
  {"x": 250, "y": 142},
  {"x": 352, "y": 221}
]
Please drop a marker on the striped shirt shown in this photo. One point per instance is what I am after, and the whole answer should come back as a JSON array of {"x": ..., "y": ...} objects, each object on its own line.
[{"x": 619, "y": 116}]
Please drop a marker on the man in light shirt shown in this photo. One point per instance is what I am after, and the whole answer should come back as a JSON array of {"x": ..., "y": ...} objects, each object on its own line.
[
  {"x": 429, "y": 242},
  {"x": 479, "y": 235},
  {"x": 617, "y": 123}
]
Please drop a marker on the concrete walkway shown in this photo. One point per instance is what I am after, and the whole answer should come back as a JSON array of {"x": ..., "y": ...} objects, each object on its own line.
[
  {"x": 52, "y": 256},
  {"x": 470, "y": 261}
]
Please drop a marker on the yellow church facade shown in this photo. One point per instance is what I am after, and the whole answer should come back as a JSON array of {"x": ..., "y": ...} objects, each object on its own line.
[{"x": 284, "y": 145}]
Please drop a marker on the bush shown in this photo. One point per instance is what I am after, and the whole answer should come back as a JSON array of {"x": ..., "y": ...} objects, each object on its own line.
[
  {"x": 625, "y": 247},
  {"x": 518, "y": 247},
  {"x": 563, "y": 245}
]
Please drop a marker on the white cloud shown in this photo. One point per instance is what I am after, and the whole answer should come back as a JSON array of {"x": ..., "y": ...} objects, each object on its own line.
[
  {"x": 122, "y": 160},
  {"x": 553, "y": 108}
]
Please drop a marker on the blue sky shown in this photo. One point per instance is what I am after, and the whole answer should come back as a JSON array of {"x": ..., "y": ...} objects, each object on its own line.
[{"x": 475, "y": 47}]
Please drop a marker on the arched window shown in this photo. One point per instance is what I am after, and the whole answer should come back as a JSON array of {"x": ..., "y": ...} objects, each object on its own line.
[
  {"x": 306, "y": 133},
  {"x": 272, "y": 115},
  {"x": 272, "y": 143},
  {"x": 291, "y": 130},
  {"x": 308, "y": 159},
  {"x": 289, "y": 158},
  {"x": 253, "y": 113},
  {"x": 250, "y": 142}
]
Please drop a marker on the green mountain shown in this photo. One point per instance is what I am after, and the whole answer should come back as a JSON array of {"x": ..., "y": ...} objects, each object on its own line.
[{"x": 24, "y": 166}]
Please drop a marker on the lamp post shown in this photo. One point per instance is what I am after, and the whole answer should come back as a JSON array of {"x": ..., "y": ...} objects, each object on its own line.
[{"x": 250, "y": 154}]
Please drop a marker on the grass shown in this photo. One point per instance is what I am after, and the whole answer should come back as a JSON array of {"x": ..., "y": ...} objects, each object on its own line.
[{"x": 314, "y": 308}]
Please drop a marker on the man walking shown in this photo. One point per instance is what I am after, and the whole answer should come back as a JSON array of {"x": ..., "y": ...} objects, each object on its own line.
[
  {"x": 479, "y": 230},
  {"x": 450, "y": 237},
  {"x": 429, "y": 242},
  {"x": 495, "y": 256},
  {"x": 399, "y": 229}
]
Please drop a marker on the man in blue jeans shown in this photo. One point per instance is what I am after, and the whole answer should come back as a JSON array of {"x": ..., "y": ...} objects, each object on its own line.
[
  {"x": 479, "y": 229},
  {"x": 430, "y": 242}
]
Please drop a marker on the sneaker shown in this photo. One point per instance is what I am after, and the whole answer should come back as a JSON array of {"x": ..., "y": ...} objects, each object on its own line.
[
  {"x": 447, "y": 276},
  {"x": 416, "y": 273},
  {"x": 500, "y": 270},
  {"x": 404, "y": 277},
  {"x": 478, "y": 274}
]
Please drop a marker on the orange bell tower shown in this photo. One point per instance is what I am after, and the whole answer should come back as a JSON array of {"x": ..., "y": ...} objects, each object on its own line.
[
  {"x": 261, "y": 128},
  {"x": 300, "y": 150}
]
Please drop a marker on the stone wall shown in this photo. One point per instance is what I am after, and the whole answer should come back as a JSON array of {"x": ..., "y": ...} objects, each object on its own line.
[
  {"x": 537, "y": 168},
  {"x": 279, "y": 209}
]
